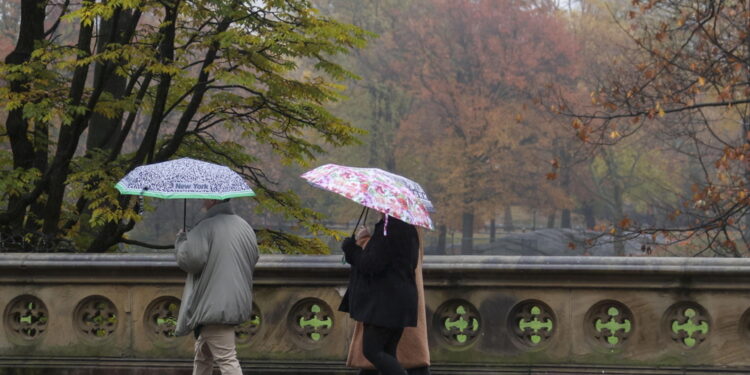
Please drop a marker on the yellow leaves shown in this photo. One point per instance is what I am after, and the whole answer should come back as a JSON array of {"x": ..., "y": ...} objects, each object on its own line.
[
  {"x": 701, "y": 81},
  {"x": 614, "y": 134},
  {"x": 519, "y": 118},
  {"x": 18, "y": 181},
  {"x": 660, "y": 110},
  {"x": 164, "y": 69},
  {"x": 13, "y": 104}
]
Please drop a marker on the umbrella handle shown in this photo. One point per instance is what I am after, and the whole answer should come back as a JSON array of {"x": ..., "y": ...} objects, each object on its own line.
[
  {"x": 184, "y": 214},
  {"x": 141, "y": 201},
  {"x": 363, "y": 213}
]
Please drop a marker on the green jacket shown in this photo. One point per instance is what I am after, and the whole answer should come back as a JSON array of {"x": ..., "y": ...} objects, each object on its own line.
[{"x": 219, "y": 255}]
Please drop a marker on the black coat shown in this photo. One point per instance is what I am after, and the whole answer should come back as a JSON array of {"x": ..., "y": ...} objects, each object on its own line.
[{"x": 382, "y": 290}]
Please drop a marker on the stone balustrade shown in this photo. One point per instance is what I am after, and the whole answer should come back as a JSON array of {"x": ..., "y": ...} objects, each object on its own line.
[{"x": 509, "y": 315}]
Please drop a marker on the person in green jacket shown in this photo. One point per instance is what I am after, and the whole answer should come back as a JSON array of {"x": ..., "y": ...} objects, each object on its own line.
[{"x": 219, "y": 254}]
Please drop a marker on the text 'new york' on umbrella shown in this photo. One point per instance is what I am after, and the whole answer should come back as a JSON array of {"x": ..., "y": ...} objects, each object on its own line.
[
  {"x": 376, "y": 189},
  {"x": 184, "y": 178}
]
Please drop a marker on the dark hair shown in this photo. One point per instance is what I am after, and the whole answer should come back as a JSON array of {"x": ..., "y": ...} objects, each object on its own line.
[{"x": 225, "y": 200}]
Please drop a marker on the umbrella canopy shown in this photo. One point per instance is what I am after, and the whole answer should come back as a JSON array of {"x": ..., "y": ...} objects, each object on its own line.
[
  {"x": 377, "y": 189},
  {"x": 184, "y": 178}
]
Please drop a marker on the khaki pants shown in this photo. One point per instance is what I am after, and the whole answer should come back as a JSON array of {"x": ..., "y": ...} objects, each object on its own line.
[{"x": 216, "y": 343}]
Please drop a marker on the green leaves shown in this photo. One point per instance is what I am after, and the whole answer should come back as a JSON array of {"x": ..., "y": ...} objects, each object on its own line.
[{"x": 235, "y": 91}]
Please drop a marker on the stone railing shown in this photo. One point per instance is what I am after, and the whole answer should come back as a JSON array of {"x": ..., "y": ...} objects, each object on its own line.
[{"x": 510, "y": 315}]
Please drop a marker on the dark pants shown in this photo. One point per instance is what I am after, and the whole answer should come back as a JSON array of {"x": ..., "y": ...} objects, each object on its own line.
[{"x": 379, "y": 347}]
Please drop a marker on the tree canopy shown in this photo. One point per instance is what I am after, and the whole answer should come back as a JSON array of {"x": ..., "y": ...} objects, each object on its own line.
[{"x": 95, "y": 89}]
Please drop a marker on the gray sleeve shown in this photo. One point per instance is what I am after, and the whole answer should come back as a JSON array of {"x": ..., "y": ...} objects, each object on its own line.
[{"x": 192, "y": 251}]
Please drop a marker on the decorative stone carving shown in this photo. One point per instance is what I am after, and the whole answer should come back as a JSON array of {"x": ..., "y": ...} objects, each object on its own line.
[
  {"x": 688, "y": 323},
  {"x": 609, "y": 323},
  {"x": 161, "y": 318},
  {"x": 310, "y": 320},
  {"x": 96, "y": 317},
  {"x": 26, "y": 317},
  {"x": 244, "y": 332},
  {"x": 532, "y": 322},
  {"x": 458, "y": 322}
]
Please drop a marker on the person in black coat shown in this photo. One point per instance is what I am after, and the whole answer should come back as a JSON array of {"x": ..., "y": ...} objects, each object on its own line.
[{"x": 382, "y": 292}]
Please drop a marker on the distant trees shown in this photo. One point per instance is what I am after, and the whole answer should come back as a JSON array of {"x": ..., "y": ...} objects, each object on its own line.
[
  {"x": 475, "y": 69},
  {"x": 685, "y": 80}
]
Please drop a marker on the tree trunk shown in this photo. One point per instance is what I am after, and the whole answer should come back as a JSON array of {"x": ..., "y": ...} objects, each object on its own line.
[
  {"x": 31, "y": 31},
  {"x": 565, "y": 219},
  {"x": 508, "y": 219},
  {"x": 68, "y": 139},
  {"x": 103, "y": 131},
  {"x": 492, "y": 230},
  {"x": 41, "y": 154},
  {"x": 551, "y": 219},
  {"x": 467, "y": 238},
  {"x": 619, "y": 215},
  {"x": 442, "y": 233},
  {"x": 111, "y": 233},
  {"x": 565, "y": 182},
  {"x": 746, "y": 126},
  {"x": 588, "y": 214},
  {"x": 166, "y": 55}
]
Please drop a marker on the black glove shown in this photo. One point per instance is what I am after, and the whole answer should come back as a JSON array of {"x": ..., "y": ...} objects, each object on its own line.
[{"x": 349, "y": 244}]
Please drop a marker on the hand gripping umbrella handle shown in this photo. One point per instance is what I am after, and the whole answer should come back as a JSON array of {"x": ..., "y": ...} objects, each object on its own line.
[{"x": 364, "y": 212}]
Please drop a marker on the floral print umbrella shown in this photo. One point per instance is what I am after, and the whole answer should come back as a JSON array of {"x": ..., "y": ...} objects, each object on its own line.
[{"x": 377, "y": 189}]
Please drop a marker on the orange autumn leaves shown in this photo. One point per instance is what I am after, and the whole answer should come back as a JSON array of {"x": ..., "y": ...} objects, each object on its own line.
[{"x": 475, "y": 69}]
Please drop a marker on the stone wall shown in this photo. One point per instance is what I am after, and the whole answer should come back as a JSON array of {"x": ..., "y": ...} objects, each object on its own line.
[{"x": 485, "y": 314}]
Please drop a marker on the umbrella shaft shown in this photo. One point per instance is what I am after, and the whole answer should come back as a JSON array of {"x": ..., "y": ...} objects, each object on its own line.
[{"x": 364, "y": 213}]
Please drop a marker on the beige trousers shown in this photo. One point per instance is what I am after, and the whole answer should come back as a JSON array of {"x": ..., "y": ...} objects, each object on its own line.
[{"x": 216, "y": 343}]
